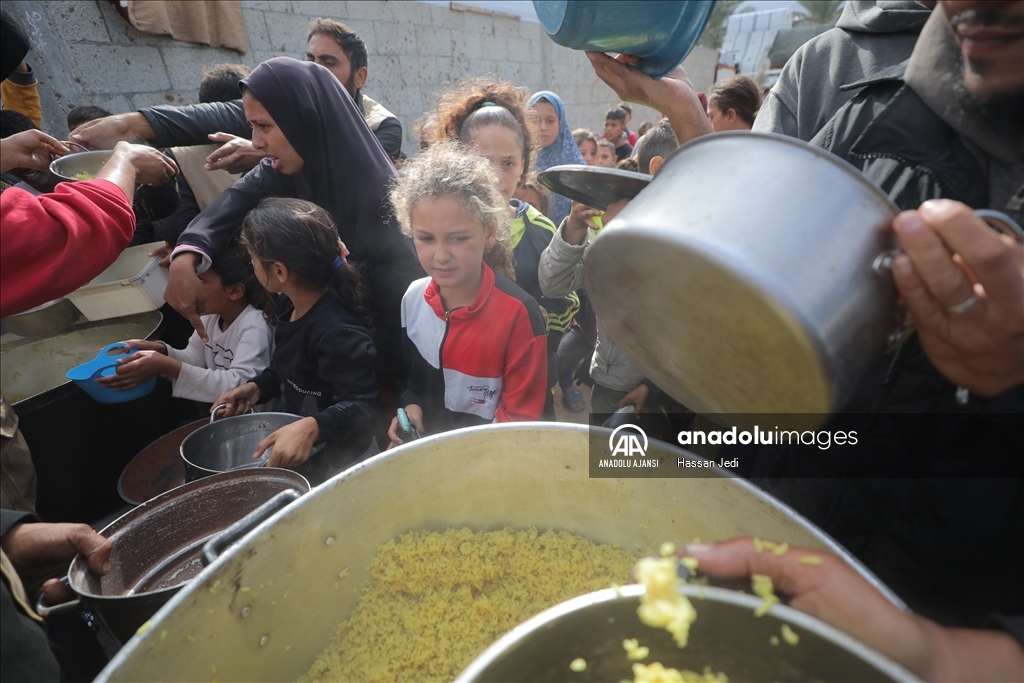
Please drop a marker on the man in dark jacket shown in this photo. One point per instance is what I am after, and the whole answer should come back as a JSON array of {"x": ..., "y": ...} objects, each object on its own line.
[
  {"x": 330, "y": 44},
  {"x": 32, "y": 551},
  {"x": 869, "y": 38}
]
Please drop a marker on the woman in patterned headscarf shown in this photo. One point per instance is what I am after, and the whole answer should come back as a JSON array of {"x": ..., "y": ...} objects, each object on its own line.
[{"x": 557, "y": 145}]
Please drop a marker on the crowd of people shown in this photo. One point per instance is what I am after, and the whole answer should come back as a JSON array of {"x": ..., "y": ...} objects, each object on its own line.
[{"x": 325, "y": 272}]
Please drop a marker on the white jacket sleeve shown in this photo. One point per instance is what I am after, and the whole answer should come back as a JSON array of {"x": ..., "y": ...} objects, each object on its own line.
[
  {"x": 194, "y": 352},
  {"x": 251, "y": 357},
  {"x": 561, "y": 266}
]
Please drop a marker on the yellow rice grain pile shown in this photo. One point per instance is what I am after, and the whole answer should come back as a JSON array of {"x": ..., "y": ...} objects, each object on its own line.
[{"x": 435, "y": 601}]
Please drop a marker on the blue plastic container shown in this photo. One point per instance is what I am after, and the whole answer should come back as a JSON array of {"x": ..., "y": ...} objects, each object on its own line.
[
  {"x": 103, "y": 365},
  {"x": 660, "y": 33}
]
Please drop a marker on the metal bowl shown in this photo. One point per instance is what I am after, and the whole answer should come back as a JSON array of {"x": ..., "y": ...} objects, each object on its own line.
[
  {"x": 68, "y": 166},
  {"x": 228, "y": 444},
  {"x": 726, "y": 636},
  {"x": 49, "y": 319}
]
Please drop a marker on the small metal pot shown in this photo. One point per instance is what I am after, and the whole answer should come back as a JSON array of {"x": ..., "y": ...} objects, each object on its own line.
[
  {"x": 157, "y": 546},
  {"x": 726, "y": 636},
  {"x": 229, "y": 443}
]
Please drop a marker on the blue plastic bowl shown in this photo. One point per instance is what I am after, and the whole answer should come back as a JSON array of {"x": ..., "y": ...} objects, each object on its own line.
[
  {"x": 660, "y": 33},
  {"x": 103, "y": 365}
]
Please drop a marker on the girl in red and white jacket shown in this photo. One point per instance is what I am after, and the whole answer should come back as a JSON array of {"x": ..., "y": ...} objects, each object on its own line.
[{"x": 475, "y": 343}]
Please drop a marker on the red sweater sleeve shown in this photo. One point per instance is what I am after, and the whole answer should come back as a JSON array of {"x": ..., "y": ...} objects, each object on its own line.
[
  {"x": 55, "y": 243},
  {"x": 526, "y": 374}
]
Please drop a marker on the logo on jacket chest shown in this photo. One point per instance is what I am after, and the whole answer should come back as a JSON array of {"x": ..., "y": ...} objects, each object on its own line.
[{"x": 481, "y": 393}]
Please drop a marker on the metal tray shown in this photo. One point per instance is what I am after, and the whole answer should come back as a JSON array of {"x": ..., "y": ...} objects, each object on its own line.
[{"x": 595, "y": 186}]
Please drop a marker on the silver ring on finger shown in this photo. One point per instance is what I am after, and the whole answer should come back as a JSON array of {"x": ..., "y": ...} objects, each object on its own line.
[{"x": 961, "y": 308}]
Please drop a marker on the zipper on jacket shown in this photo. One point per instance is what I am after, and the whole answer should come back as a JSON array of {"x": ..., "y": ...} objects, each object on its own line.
[{"x": 440, "y": 352}]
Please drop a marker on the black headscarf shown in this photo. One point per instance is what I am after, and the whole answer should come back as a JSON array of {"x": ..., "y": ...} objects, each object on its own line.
[
  {"x": 346, "y": 171},
  {"x": 13, "y": 45}
]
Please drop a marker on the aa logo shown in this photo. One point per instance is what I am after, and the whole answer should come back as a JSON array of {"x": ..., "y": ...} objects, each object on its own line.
[{"x": 626, "y": 440}]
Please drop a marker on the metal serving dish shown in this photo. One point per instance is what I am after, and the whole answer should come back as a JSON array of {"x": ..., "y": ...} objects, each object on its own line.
[
  {"x": 726, "y": 636},
  {"x": 484, "y": 477},
  {"x": 70, "y": 165},
  {"x": 32, "y": 367},
  {"x": 595, "y": 186}
]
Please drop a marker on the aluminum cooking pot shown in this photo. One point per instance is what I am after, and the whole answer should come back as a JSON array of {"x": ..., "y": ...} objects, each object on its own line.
[
  {"x": 483, "y": 477},
  {"x": 726, "y": 636},
  {"x": 228, "y": 444},
  {"x": 741, "y": 279},
  {"x": 80, "y": 165},
  {"x": 157, "y": 546}
]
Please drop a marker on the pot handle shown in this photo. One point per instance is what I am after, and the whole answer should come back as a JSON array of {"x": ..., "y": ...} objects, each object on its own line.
[
  {"x": 219, "y": 543},
  {"x": 213, "y": 413},
  {"x": 48, "y": 611}
]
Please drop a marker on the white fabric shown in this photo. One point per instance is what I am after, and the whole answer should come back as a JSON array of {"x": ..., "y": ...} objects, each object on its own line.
[
  {"x": 230, "y": 359},
  {"x": 478, "y": 396},
  {"x": 421, "y": 323}
]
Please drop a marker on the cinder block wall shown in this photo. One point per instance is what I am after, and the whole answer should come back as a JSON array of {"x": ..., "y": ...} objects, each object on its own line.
[{"x": 83, "y": 52}]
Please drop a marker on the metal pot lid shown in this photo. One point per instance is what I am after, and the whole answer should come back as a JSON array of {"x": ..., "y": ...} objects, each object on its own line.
[
  {"x": 158, "y": 545},
  {"x": 595, "y": 186}
]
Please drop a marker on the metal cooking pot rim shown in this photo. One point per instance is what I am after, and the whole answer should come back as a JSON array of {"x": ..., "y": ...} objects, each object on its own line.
[
  {"x": 205, "y": 430},
  {"x": 843, "y": 164},
  {"x": 154, "y": 504},
  {"x": 783, "y": 613}
]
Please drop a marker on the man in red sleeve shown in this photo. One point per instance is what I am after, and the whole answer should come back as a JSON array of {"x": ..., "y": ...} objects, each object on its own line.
[{"x": 52, "y": 244}]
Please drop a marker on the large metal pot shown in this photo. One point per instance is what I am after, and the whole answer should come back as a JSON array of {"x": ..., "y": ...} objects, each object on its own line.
[
  {"x": 726, "y": 636},
  {"x": 485, "y": 478},
  {"x": 157, "y": 468},
  {"x": 157, "y": 546},
  {"x": 29, "y": 368},
  {"x": 741, "y": 280}
]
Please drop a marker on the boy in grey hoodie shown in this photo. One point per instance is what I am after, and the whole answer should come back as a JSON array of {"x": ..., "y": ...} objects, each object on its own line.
[{"x": 870, "y": 37}]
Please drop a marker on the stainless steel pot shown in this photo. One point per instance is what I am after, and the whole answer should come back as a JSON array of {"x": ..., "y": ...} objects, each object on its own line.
[
  {"x": 228, "y": 444},
  {"x": 269, "y": 606},
  {"x": 157, "y": 546},
  {"x": 29, "y": 368},
  {"x": 726, "y": 636},
  {"x": 740, "y": 280}
]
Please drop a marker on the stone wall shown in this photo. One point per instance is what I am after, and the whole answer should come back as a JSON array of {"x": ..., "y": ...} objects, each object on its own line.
[{"x": 85, "y": 53}]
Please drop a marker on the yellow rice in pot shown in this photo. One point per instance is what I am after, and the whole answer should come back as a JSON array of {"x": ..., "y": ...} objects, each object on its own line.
[{"x": 435, "y": 601}]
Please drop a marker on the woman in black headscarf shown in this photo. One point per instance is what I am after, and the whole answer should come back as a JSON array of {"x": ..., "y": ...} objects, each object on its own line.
[{"x": 320, "y": 149}]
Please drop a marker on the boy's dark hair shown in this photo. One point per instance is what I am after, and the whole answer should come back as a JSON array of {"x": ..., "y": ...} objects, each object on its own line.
[
  {"x": 220, "y": 83},
  {"x": 85, "y": 114},
  {"x": 543, "y": 193},
  {"x": 234, "y": 267},
  {"x": 659, "y": 141},
  {"x": 14, "y": 122},
  {"x": 617, "y": 114},
  {"x": 644, "y": 127},
  {"x": 739, "y": 93},
  {"x": 624, "y": 106},
  {"x": 302, "y": 236},
  {"x": 628, "y": 164},
  {"x": 347, "y": 39}
]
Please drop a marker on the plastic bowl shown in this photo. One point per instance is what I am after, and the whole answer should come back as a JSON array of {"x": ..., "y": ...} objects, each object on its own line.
[
  {"x": 660, "y": 33},
  {"x": 105, "y": 365}
]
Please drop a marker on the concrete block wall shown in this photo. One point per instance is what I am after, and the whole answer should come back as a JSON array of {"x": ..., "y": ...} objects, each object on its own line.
[{"x": 85, "y": 53}]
